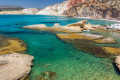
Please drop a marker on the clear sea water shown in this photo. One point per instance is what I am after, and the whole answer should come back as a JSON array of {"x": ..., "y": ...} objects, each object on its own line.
[{"x": 51, "y": 54}]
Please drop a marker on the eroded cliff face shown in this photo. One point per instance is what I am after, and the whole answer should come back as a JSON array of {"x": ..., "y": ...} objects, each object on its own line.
[
  {"x": 87, "y": 8},
  {"x": 100, "y": 9},
  {"x": 57, "y": 9}
]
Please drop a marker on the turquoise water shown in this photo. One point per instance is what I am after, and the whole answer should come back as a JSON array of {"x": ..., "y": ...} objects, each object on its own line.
[{"x": 51, "y": 54}]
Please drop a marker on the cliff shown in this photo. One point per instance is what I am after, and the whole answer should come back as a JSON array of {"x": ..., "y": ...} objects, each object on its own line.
[
  {"x": 57, "y": 9},
  {"x": 99, "y": 9},
  {"x": 85, "y": 8}
]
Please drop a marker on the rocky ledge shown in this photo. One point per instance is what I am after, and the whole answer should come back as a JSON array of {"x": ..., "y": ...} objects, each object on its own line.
[
  {"x": 75, "y": 27},
  {"x": 15, "y": 66},
  {"x": 88, "y": 36},
  {"x": 74, "y": 34}
]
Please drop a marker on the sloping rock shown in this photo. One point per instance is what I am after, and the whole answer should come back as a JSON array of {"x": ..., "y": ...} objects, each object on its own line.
[
  {"x": 57, "y": 9},
  {"x": 78, "y": 24},
  {"x": 30, "y": 11},
  {"x": 14, "y": 66}
]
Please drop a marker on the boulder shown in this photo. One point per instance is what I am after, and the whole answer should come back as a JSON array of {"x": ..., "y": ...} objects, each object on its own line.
[
  {"x": 14, "y": 66},
  {"x": 88, "y": 27},
  {"x": 48, "y": 75},
  {"x": 78, "y": 24}
]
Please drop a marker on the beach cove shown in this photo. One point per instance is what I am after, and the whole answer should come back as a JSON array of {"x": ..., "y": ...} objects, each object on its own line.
[{"x": 55, "y": 56}]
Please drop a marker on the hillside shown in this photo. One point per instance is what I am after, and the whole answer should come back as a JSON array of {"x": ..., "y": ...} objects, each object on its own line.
[
  {"x": 57, "y": 9},
  {"x": 10, "y": 7},
  {"x": 85, "y": 8}
]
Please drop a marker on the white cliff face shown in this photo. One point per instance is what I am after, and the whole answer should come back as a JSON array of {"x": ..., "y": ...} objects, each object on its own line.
[
  {"x": 57, "y": 9},
  {"x": 30, "y": 11}
]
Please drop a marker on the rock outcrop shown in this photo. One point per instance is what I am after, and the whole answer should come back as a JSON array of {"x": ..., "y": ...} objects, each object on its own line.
[
  {"x": 57, "y": 9},
  {"x": 75, "y": 27},
  {"x": 88, "y": 42},
  {"x": 30, "y": 11},
  {"x": 15, "y": 66},
  {"x": 99, "y": 9},
  {"x": 85, "y": 8}
]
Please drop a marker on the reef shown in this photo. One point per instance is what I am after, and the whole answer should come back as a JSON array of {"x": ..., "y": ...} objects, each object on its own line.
[
  {"x": 10, "y": 45},
  {"x": 15, "y": 66},
  {"x": 87, "y": 42},
  {"x": 86, "y": 36},
  {"x": 48, "y": 75}
]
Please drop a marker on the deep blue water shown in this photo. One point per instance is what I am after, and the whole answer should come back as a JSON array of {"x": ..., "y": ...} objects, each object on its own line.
[{"x": 51, "y": 54}]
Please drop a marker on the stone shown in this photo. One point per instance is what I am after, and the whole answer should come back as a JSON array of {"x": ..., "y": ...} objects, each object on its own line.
[
  {"x": 57, "y": 25},
  {"x": 88, "y": 27},
  {"x": 48, "y": 75},
  {"x": 18, "y": 66},
  {"x": 79, "y": 24}
]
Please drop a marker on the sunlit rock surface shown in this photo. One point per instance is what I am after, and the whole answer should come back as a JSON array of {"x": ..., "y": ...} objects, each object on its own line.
[
  {"x": 30, "y": 11},
  {"x": 72, "y": 33},
  {"x": 57, "y": 9},
  {"x": 117, "y": 61},
  {"x": 14, "y": 66}
]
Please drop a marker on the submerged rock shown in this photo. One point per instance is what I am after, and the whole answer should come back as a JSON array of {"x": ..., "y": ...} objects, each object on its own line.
[
  {"x": 87, "y": 42},
  {"x": 88, "y": 36},
  {"x": 15, "y": 66},
  {"x": 10, "y": 45},
  {"x": 48, "y": 75}
]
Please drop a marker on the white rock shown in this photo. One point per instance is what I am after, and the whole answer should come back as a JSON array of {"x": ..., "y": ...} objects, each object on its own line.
[
  {"x": 30, "y": 10},
  {"x": 14, "y": 66},
  {"x": 57, "y": 9},
  {"x": 36, "y": 26}
]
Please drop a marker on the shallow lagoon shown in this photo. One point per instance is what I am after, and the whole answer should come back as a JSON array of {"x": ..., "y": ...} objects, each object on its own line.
[{"x": 51, "y": 54}]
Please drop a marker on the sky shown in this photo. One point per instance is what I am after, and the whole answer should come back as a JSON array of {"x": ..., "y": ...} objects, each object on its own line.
[{"x": 30, "y": 3}]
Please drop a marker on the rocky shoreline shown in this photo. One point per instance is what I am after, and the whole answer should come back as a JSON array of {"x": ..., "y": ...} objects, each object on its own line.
[
  {"x": 73, "y": 33},
  {"x": 14, "y": 62}
]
